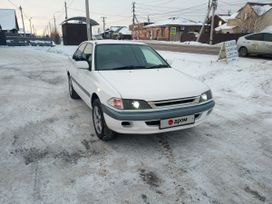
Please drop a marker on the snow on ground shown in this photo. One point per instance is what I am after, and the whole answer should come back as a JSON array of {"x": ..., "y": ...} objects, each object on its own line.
[
  {"x": 49, "y": 153},
  {"x": 189, "y": 43}
]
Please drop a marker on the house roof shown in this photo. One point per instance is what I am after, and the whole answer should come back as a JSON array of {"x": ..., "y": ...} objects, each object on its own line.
[
  {"x": 80, "y": 19},
  {"x": 259, "y": 8},
  {"x": 8, "y": 19},
  {"x": 125, "y": 31},
  {"x": 225, "y": 26},
  {"x": 224, "y": 17},
  {"x": 175, "y": 21}
]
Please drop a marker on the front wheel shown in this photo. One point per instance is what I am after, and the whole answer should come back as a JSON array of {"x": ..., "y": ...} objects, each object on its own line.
[
  {"x": 100, "y": 126},
  {"x": 72, "y": 92},
  {"x": 243, "y": 52}
]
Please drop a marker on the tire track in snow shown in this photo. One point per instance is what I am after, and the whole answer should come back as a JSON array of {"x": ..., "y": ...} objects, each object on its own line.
[{"x": 175, "y": 172}]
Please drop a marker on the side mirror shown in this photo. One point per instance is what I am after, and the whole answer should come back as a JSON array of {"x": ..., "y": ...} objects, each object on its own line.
[
  {"x": 79, "y": 57},
  {"x": 82, "y": 65}
]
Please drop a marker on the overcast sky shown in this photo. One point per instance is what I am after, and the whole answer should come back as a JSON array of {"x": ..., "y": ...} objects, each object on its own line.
[{"x": 118, "y": 12}]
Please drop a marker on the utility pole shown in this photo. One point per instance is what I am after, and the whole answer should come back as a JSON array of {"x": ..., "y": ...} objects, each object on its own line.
[
  {"x": 30, "y": 25},
  {"x": 88, "y": 21},
  {"x": 133, "y": 13},
  {"x": 55, "y": 24},
  {"x": 33, "y": 29},
  {"x": 214, "y": 7},
  {"x": 205, "y": 20},
  {"x": 50, "y": 29},
  {"x": 66, "y": 13},
  {"x": 23, "y": 22},
  {"x": 104, "y": 23}
]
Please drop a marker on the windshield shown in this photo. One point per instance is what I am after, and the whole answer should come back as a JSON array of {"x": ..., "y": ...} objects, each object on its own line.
[{"x": 127, "y": 57}]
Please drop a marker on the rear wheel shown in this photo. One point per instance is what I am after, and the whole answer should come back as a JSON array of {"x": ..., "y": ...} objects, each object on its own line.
[
  {"x": 100, "y": 126},
  {"x": 72, "y": 92},
  {"x": 243, "y": 52}
]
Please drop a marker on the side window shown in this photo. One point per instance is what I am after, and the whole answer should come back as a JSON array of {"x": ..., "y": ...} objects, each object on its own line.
[
  {"x": 88, "y": 53},
  {"x": 256, "y": 37},
  {"x": 78, "y": 53},
  {"x": 268, "y": 37}
]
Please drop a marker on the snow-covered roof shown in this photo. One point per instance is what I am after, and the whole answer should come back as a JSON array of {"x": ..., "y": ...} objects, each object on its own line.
[
  {"x": 116, "y": 28},
  {"x": 8, "y": 19},
  {"x": 261, "y": 9},
  {"x": 175, "y": 21},
  {"x": 224, "y": 17},
  {"x": 234, "y": 15},
  {"x": 225, "y": 26},
  {"x": 125, "y": 31}
]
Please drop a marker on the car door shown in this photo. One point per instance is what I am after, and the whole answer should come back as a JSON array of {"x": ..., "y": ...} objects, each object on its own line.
[
  {"x": 255, "y": 42},
  {"x": 86, "y": 76},
  {"x": 267, "y": 44},
  {"x": 77, "y": 64}
]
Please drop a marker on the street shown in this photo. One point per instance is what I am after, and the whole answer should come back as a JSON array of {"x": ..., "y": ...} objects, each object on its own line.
[{"x": 49, "y": 152}]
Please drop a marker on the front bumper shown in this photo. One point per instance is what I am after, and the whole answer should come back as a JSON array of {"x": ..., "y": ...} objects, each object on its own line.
[{"x": 147, "y": 122}]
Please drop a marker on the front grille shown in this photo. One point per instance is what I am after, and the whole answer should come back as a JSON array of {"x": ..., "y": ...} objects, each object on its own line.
[{"x": 175, "y": 102}]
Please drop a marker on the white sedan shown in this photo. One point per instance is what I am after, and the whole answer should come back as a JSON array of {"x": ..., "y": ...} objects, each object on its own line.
[
  {"x": 257, "y": 43},
  {"x": 133, "y": 90}
]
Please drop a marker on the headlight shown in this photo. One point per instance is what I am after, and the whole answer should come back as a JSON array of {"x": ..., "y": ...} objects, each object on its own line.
[
  {"x": 206, "y": 96},
  {"x": 128, "y": 104}
]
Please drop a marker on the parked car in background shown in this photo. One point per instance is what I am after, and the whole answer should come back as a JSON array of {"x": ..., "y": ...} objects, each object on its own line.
[
  {"x": 133, "y": 90},
  {"x": 257, "y": 43}
]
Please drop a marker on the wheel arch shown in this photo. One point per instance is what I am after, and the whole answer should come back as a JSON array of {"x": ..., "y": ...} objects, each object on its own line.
[{"x": 93, "y": 98}]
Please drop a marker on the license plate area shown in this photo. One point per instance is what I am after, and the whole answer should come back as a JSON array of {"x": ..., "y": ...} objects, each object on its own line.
[{"x": 176, "y": 122}]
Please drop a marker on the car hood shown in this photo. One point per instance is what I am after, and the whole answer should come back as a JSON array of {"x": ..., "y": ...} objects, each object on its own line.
[{"x": 153, "y": 84}]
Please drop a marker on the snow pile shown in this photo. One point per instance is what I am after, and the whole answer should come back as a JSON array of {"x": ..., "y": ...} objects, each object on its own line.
[
  {"x": 60, "y": 49},
  {"x": 191, "y": 43},
  {"x": 249, "y": 78},
  {"x": 261, "y": 9}
]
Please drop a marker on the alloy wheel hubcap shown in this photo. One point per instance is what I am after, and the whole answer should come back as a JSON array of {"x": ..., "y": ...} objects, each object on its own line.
[{"x": 97, "y": 120}]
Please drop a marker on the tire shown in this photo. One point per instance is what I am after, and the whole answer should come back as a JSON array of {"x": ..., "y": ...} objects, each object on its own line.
[
  {"x": 72, "y": 92},
  {"x": 243, "y": 52},
  {"x": 101, "y": 129}
]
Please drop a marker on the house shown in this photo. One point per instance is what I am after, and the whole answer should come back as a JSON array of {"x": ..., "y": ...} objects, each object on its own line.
[
  {"x": 219, "y": 19},
  {"x": 74, "y": 30},
  {"x": 124, "y": 34},
  {"x": 112, "y": 32},
  {"x": 170, "y": 29},
  {"x": 138, "y": 30},
  {"x": 253, "y": 17},
  {"x": 8, "y": 21}
]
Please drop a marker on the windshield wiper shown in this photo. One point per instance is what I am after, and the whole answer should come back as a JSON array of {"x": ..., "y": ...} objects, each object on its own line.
[
  {"x": 128, "y": 67},
  {"x": 159, "y": 66}
]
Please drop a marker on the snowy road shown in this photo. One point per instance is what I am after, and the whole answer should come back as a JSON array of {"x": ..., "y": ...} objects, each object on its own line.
[{"x": 49, "y": 153}]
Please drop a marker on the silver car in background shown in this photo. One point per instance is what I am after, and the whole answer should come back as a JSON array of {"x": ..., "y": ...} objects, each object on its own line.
[{"x": 257, "y": 43}]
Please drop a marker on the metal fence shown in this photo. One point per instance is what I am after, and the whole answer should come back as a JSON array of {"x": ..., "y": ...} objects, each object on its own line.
[{"x": 11, "y": 39}]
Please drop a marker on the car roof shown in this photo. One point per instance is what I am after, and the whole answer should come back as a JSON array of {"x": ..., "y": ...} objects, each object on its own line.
[{"x": 100, "y": 42}]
